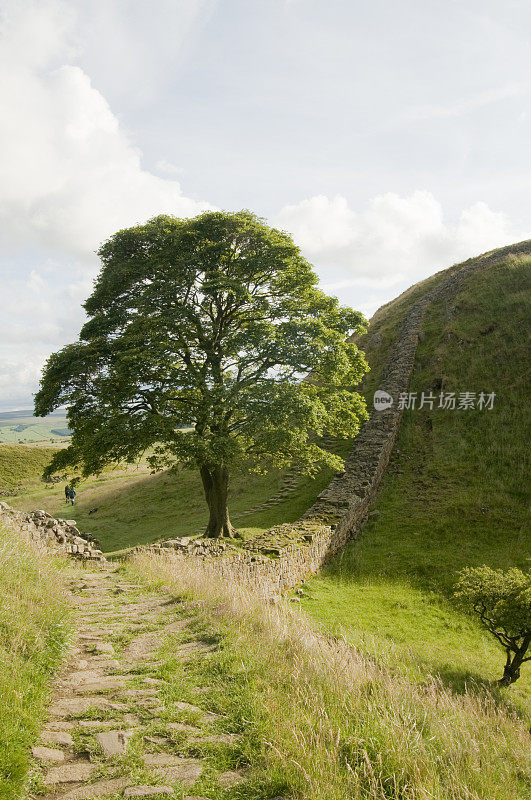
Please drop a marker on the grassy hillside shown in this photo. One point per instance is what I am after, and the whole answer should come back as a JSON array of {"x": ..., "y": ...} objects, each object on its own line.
[
  {"x": 135, "y": 507},
  {"x": 323, "y": 721},
  {"x": 455, "y": 493},
  {"x": 33, "y": 630},
  {"x": 22, "y": 465}
]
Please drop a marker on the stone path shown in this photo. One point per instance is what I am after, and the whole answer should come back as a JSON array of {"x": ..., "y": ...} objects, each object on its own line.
[{"x": 113, "y": 730}]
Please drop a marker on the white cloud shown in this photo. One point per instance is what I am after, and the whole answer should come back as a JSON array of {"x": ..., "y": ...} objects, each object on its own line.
[
  {"x": 35, "y": 282},
  {"x": 168, "y": 168},
  {"x": 394, "y": 239},
  {"x": 70, "y": 175},
  {"x": 19, "y": 377},
  {"x": 466, "y": 105},
  {"x": 38, "y": 316}
]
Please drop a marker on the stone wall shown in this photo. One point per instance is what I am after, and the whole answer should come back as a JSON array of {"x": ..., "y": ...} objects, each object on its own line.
[
  {"x": 283, "y": 556},
  {"x": 56, "y": 535}
]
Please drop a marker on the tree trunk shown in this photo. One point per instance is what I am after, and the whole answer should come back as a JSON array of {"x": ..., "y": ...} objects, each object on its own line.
[
  {"x": 511, "y": 673},
  {"x": 216, "y": 484}
]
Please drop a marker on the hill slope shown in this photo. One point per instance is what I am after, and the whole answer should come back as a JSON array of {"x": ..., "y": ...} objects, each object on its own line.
[{"x": 455, "y": 491}]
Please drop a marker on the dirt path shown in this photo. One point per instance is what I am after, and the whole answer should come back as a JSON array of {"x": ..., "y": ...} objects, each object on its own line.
[{"x": 115, "y": 727}]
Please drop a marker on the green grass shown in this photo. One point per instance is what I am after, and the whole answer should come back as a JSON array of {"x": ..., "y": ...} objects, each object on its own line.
[
  {"x": 34, "y": 625},
  {"x": 455, "y": 494}
]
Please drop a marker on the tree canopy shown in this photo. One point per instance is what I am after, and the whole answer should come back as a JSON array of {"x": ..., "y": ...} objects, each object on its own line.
[
  {"x": 502, "y": 601},
  {"x": 199, "y": 336}
]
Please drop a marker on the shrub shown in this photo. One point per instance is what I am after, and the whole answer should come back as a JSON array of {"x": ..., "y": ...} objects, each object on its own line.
[{"x": 502, "y": 601}]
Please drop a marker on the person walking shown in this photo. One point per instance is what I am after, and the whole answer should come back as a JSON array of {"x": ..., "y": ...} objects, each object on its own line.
[
  {"x": 67, "y": 493},
  {"x": 72, "y": 495}
]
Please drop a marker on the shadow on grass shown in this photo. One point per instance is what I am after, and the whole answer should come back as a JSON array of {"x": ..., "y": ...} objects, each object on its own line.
[{"x": 467, "y": 682}]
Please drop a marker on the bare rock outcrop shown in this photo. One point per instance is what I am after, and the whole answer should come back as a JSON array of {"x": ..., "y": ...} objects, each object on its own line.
[{"x": 56, "y": 535}]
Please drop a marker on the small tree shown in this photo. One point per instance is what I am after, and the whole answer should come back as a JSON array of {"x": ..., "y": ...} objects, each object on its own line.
[
  {"x": 211, "y": 324},
  {"x": 502, "y": 600}
]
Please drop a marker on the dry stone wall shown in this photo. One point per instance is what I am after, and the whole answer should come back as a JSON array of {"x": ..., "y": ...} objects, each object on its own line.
[
  {"x": 283, "y": 556},
  {"x": 56, "y": 535}
]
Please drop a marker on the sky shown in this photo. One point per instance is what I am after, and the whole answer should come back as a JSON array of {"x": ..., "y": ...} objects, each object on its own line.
[{"x": 390, "y": 138}]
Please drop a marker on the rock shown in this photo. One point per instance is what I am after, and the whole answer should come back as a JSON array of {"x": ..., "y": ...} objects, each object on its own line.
[
  {"x": 148, "y": 791},
  {"x": 114, "y": 743},
  {"x": 230, "y": 778},
  {"x": 104, "y": 683},
  {"x": 47, "y": 754},
  {"x": 98, "y": 789},
  {"x": 173, "y": 768},
  {"x": 78, "y": 705},
  {"x": 102, "y": 647},
  {"x": 76, "y": 772},
  {"x": 196, "y": 797},
  {"x": 59, "y": 725},
  {"x": 184, "y": 726},
  {"x": 83, "y": 676},
  {"x": 57, "y": 737},
  {"x": 89, "y": 724}
]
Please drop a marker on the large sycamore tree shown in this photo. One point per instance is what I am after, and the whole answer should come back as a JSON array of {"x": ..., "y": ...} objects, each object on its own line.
[{"x": 199, "y": 336}]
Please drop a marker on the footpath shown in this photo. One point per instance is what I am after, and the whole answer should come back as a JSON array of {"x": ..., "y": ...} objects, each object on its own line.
[{"x": 116, "y": 727}]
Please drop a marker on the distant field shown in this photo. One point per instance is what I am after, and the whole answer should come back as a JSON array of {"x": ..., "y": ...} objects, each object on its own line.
[{"x": 20, "y": 427}]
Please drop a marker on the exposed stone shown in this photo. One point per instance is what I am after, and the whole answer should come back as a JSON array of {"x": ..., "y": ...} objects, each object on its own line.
[
  {"x": 114, "y": 743},
  {"x": 230, "y": 778},
  {"x": 98, "y": 789},
  {"x": 104, "y": 683},
  {"x": 185, "y": 771},
  {"x": 47, "y": 754},
  {"x": 75, "y": 772},
  {"x": 59, "y": 725},
  {"x": 184, "y": 727},
  {"x": 148, "y": 791},
  {"x": 68, "y": 706},
  {"x": 52, "y": 534},
  {"x": 57, "y": 737},
  {"x": 196, "y": 797},
  {"x": 102, "y": 647}
]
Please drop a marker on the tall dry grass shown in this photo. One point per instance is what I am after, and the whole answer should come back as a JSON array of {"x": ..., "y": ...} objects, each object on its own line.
[{"x": 342, "y": 726}]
